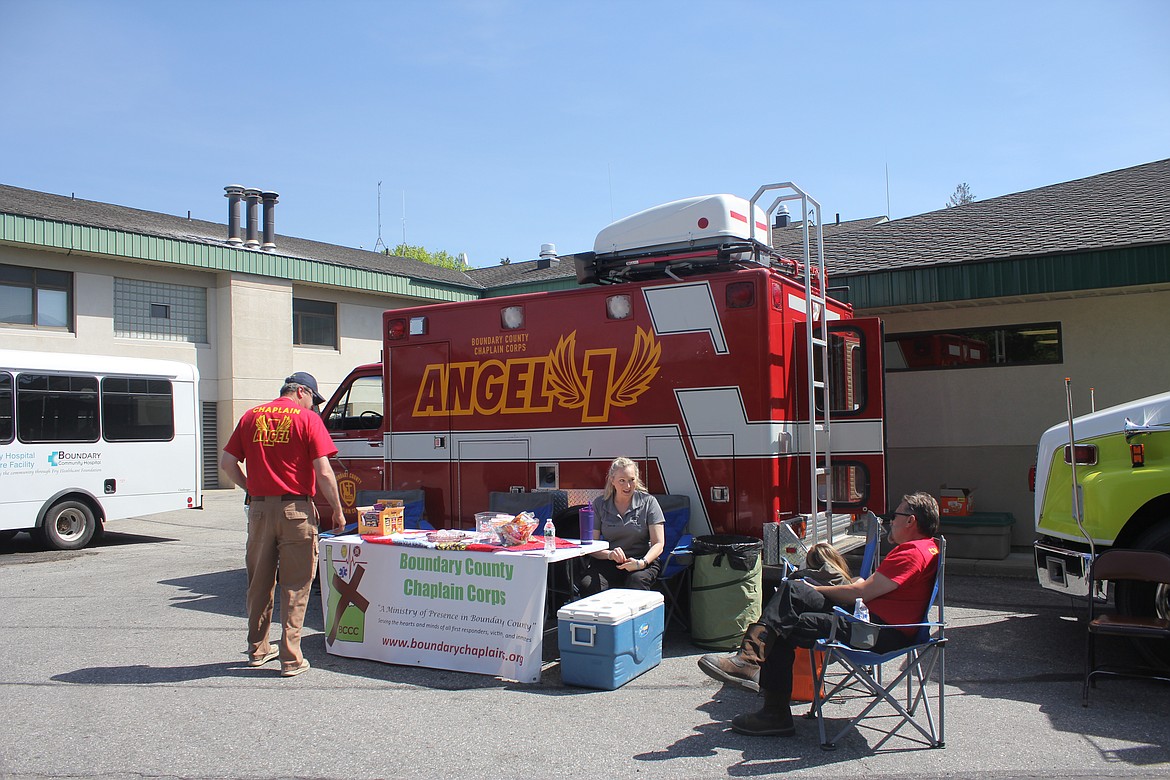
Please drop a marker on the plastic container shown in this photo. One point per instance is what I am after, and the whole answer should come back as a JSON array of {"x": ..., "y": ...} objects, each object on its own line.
[
  {"x": 483, "y": 521},
  {"x": 725, "y": 589},
  {"x": 984, "y": 535},
  {"x": 610, "y": 638}
]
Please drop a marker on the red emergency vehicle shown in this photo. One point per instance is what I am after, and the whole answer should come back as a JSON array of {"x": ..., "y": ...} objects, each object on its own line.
[{"x": 687, "y": 347}]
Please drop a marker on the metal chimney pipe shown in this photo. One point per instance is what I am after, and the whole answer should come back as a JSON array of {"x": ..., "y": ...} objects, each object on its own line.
[
  {"x": 252, "y": 196},
  {"x": 233, "y": 192},
  {"x": 270, "y": 199}
]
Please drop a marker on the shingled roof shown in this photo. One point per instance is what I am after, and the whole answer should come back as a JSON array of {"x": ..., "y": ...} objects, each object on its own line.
[
  {"x": 789, "y": 240},
  {"x": 30, "y": 203},
  {"x": 1125, "y": 208}
]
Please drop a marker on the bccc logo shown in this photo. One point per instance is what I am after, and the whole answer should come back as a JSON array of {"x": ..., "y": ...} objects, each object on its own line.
[{"x": 527, "y": 385}]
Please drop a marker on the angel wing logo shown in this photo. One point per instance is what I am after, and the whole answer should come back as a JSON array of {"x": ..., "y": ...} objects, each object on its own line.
[
  {"x": 567, "y": 384},
  {"x": 269, "y": 434},
  {"x": 564, "y": 379},
  {"x": 640, "y": 369}
]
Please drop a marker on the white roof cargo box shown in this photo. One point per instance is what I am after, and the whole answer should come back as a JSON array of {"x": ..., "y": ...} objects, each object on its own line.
[{"x": 705, "y": 220}]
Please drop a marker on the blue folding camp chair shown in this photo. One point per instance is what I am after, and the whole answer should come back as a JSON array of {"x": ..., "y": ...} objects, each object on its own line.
[
  {"x": 923, "y": 657},
  {"x": 674, "y": 580}
]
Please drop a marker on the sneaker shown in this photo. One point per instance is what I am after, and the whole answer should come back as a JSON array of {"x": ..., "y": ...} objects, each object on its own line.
[
  {"x": 730, "y": 668},
  {"x": 260, "y": 660},
  {"x": 293, "y": 671}
]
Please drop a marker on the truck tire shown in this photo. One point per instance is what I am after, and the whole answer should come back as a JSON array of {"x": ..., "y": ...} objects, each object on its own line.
[
  {"x": 69, "y": 525},
  {"x": 1146, "y": 599}
]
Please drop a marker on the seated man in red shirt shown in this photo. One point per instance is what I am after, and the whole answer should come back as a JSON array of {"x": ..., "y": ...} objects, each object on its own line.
[{"x": 800, "y": 613}]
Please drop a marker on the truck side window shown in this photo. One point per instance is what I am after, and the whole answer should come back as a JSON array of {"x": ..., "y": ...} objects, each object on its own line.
[
  {"x": 360, "y": 408},
  {"x": 847, "y": 367}
]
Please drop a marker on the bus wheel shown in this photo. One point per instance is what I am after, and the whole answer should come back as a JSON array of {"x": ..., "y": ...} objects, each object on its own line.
[
  {"x": 69, "y": 525},
  {"x": 1148, "y": 599}
]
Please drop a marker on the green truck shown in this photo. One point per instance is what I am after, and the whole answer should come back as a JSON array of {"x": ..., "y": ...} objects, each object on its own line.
[{"x": 1122, "y": 491}]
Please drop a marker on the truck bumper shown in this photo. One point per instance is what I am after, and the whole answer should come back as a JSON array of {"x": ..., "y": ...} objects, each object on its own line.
[{"x": 1065, "y": 571}]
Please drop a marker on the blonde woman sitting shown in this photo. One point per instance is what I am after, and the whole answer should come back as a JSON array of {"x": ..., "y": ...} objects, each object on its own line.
[{"x": 631, "y": 520}]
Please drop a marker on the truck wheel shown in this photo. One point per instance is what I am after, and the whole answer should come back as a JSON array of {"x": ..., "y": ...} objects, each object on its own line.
[
  {"x": 1146, "y": 599},
  {"x": 69, "y": 525}
]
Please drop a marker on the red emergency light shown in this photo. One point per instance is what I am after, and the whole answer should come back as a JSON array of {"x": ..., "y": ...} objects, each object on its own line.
[
  {"x": 1086, "y": 454},
  {"x": 396, "y": 329},
  {"x": 740, "y": 295}
]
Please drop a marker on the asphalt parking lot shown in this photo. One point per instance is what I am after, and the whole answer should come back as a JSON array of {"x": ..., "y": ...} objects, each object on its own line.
[{"x": 126, "y": 661}]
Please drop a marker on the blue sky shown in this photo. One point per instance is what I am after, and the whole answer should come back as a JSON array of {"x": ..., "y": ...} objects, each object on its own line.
[{"x": 511, "y": 124}]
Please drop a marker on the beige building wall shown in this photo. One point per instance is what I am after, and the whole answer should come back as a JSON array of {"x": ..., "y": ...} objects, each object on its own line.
[
  {"x": 979, "y": 427},
  {"x": 249, "y": 348}
]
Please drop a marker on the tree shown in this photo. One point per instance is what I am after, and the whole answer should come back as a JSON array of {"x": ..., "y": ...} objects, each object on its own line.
[
  {"x": 441, "y": 258},
  {"x": 961, "y": 195}
]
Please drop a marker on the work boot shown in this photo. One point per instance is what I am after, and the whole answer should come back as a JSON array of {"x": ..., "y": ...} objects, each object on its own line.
[
  {"x": 774, "y": 719},
  {"x": 742, "y": 668}
]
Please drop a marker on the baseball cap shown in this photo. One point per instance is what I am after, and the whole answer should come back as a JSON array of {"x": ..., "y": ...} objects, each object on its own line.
[{"x": 306, "y": 379}]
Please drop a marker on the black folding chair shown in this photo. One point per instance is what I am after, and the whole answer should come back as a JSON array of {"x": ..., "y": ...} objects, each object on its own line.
[{"x": 1115, "y": 566}]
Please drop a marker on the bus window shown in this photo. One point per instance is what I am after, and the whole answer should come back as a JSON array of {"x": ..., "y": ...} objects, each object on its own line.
[
  {"x": 137, "y": 409},
  {"x": 54, "y": 407},
  {"x": 7, "y": 423}
]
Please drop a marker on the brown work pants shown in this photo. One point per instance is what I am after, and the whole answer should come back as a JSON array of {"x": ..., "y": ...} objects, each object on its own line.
[{"x": 282, "y": 537}]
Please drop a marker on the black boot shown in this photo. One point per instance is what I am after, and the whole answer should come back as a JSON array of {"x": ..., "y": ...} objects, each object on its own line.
[
  {"x": 773, "y": 720},
  {"x": 741, "y": 668}
]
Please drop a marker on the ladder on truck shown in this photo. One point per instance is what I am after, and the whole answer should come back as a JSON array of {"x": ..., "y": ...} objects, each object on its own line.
[{"x": 820, "y": 524}]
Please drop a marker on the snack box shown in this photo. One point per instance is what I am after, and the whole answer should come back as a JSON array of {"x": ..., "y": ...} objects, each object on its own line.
[
  {"x": 382, "y": 519},
  {"x": 956, "y": 502},
  {"x": 610, "y": 638}
]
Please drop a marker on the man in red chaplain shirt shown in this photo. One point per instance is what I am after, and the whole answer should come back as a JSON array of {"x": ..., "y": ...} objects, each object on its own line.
[
  {"x": 800, "y": 613},
  {"x": 287, "y": 449}
]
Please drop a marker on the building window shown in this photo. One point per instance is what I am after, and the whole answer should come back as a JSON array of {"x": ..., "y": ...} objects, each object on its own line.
[
  {"x": 158, "y": 311},
  {"x": 1004, "y": 345},
  {"x": 35, "y": 297},
  {"x": 314, "y": 323}
]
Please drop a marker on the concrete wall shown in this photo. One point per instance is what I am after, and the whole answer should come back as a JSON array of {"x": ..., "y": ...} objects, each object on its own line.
[{"x": 978, "y": 427}]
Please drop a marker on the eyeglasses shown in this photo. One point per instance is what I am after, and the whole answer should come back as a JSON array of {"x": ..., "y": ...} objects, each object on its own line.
[{"x": 903, "y": 514}]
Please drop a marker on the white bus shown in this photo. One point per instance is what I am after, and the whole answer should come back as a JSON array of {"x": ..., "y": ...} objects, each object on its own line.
[{"x": 85, "y": 439}]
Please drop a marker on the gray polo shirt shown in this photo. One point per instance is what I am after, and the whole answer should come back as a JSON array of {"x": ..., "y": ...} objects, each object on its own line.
[{"x": 631, "y": 531}]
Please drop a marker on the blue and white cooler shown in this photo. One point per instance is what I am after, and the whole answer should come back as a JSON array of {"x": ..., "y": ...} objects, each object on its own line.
[{"x": 610, "y": 638}]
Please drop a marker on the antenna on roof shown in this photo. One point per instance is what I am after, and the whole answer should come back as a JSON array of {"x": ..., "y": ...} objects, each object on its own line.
[{"x": 379, "y": 241}]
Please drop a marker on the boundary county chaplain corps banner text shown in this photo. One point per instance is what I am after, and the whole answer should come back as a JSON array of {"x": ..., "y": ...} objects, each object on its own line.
[{"x": 465, "y": 611}]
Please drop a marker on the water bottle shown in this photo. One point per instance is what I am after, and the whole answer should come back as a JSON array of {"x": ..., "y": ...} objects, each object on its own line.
[
  {"x": 862, "y": 635},
  {"x": 550, "y": 537}
]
